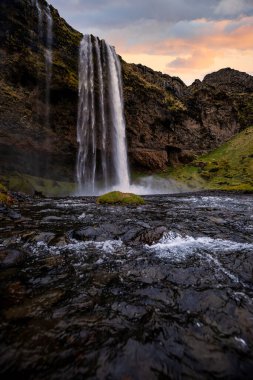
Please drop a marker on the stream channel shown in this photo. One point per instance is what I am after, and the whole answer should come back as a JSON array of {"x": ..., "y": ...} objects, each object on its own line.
[{"x": 158, "y": 291}]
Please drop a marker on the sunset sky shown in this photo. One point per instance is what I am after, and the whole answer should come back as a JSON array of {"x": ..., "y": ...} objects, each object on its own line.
[{"x": 185, "y": 38}]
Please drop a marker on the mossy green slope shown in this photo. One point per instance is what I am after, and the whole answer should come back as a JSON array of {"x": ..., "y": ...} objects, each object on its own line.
[
  {"x": 4, "y": 195},
  {"x": 229, "y": 167},
  {"x": 31, "y": 185},
  {"x": 116, "y": 197}
]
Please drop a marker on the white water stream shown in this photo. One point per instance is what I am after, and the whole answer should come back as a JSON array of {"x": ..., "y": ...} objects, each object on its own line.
[
  {"x": 48, "y": 62},
  {"x": 47, "y": 34},
  {"x": 102, "y": 155}
]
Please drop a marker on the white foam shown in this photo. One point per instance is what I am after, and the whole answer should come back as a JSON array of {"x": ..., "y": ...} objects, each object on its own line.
[
  {"x": 108, "y": 246},
  {"x": 173, "y": 244},
  {"x": 70, "y": 204},
  {"x": 241, "y": 342},
  {"x": 177, "y": 248},
  {"x": 82, "y": 216}
]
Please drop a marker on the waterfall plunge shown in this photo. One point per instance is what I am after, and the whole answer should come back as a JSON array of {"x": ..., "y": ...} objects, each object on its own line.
[{"x": 102, "y": 154}]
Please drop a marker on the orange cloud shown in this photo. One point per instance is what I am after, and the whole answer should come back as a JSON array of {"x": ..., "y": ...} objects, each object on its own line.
[
  {"x": 241, "y": 39},
  {"x": 219, "y": 38},
  {"x": 199, "y": 59},
  {"x": 227, "y": 43}
]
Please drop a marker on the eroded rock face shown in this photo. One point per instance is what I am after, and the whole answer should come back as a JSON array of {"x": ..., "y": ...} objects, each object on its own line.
[
  {"x": 149, "y": 158},
  {"x": 231, "y": 81},
  {"x": 178, "y": 122},
  {"x": 27, "y": 144}
]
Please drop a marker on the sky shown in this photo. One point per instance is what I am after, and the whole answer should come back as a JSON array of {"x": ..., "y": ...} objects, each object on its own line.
[{"x": 184, "y": 38}]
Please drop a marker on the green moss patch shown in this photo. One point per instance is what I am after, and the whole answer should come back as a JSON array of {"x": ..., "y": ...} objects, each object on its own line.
[
  {"x": 30, "y": 185},
  {"x": 136, "y": 82},
  {"x": 4, "y": 195},
  {"x": 116, "y": 197},
  {"x": 229, "y": 167}
]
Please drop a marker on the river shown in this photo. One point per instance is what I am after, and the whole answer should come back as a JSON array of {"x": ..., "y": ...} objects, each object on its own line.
[{"x": 158, "y": 291}]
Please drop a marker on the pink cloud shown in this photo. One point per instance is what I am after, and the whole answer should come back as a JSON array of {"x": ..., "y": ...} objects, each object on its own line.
[
  {"x": 198, "y": 60},
  {"x": 219, "y": 37}
]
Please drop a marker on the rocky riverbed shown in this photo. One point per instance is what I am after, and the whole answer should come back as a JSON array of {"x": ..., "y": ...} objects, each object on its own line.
[{"x": 159, "y": 291}]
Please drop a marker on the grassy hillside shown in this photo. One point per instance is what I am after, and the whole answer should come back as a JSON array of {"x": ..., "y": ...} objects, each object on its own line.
[
  {"x": 31, "y": 185},
  {"x": 229, "y": 167}
]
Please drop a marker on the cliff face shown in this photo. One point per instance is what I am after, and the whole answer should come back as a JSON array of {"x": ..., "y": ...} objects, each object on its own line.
[
  {"x": 27, "y": 144},
  {"x": 167, "y": 122}
]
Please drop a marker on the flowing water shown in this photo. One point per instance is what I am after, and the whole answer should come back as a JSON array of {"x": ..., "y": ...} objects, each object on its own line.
[
  {"x": 45, "y": 13},
  {"x": 159, "y": 291},
  {"x": 102, "y": 163},
  {"x": 39, "y": 11},
  {"x": 48, "y": 61},
  {"x": 102, "y": 155}
]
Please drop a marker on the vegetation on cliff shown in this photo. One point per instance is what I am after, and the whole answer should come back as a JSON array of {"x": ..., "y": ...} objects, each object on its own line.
[
  {"x": 170, "y": 123},
  {"x": 32, "y": 185},
  {"x": 5, "y": 197},
  {"x": 229, "y": 167},
  {"x": 28, "y": 145}
]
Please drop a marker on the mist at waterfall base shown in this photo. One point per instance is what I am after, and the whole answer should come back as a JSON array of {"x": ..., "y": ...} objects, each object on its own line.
[
  {"x": 146, "y": 185},
  {"x": 102, "y": 162}
]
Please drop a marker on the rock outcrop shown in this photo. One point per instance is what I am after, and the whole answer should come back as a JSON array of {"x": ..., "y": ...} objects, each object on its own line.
[
  {"x": 27, "y": 144},
  {"x": 167, "y": 122}
]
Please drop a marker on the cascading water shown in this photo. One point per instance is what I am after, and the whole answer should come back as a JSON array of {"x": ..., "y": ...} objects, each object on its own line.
[
  {"x": 39, "y": 11},
  {"x": 116, "y": 103},
  {"x": 47, "y": 35},
  {"x": 102, "y": 154},
  {"x": 48, "y": 61}
]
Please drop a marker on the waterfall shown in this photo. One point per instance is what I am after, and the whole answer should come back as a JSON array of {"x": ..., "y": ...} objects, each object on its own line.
[
  {"x": 40, "y": 30},
  {"x": 118, "y": 122},
  {"x": 46, "y": 34},
  {"x": 48, "y": 62},
  {"x": 102, "y": 154}
]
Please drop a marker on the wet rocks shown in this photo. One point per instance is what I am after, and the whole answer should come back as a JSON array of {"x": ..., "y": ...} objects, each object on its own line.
[
  {"x": 88, "y": 233},
  {"x": 12, "y": 257},
  {"x": 34, "y": 307},
  {"x": 102, "y": 233},
  {"x": 151, "y": 236},
  {"x": 14, "y": 215},
  {"x": 45, "y": 237},
  {"x": 102, "y": 291}
]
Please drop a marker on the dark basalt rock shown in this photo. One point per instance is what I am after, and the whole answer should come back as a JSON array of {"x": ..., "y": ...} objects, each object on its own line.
[
  {"x": 28, "y": 145},
  {"x": 230, "y": 81},
  {"x": 151, "y": 236},
  {"x": 101, "y": 305},
  {"x": 88, "y": 233},
  {"x": 13, "y": 257}
]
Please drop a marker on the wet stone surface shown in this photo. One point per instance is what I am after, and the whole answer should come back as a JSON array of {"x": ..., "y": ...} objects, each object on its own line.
[{"x": 159, "y": 291}]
